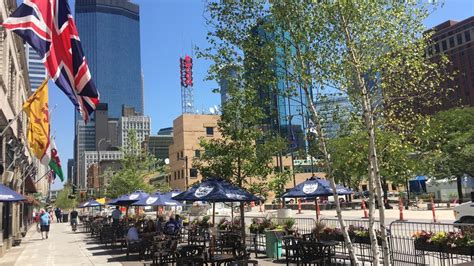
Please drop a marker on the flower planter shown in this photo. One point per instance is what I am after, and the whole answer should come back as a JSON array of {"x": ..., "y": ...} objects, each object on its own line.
[
  {"x": 366, "y": 240},
  {"x": 427, "y": 246},
  {"x": 461, "y": 250}
]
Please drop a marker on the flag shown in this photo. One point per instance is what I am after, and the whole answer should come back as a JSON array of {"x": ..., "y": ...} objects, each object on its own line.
[
  {"x": 36, "y": 107},
  {"x": 54, "y": 162},
  {"x": 48, "y": 26}
]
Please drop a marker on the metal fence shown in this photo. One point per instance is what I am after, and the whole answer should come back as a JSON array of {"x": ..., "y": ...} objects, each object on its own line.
[
  {"x": 402, "y": 243},
  {"x": 404, "y": 251}
]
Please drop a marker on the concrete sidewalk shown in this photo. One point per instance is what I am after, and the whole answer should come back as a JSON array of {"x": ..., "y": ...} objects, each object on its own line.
[{"x": 63, "y": 247}]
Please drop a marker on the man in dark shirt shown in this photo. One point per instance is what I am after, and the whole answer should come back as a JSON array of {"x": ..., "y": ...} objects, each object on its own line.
[{"x": 74, "y": 215}]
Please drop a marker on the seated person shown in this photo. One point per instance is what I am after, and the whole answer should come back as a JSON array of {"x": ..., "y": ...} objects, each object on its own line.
[
  {"x": 160, "y": 225},
  {"x": 179, "y": 221},
  {"x": 170, "y": 227},
  {"x": 150, "y": 227},
  {"x": 132, "y": 234}
]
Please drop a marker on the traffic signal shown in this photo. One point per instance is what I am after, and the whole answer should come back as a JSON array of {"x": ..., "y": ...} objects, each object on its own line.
[{"x": 74, "y": 189}]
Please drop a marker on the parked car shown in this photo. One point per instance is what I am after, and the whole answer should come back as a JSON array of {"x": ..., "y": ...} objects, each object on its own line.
[{"x": 464, "y": 213}]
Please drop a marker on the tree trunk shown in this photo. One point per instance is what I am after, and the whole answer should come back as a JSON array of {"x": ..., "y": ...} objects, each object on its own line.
[
  {"x": 322, "y": 142},
  {"x": 329, "y": 174},
  {"x": 374, "y": 173}
]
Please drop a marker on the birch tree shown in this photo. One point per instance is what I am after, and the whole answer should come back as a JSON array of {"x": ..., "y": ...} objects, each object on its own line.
[{"x": 376, "y": 52}]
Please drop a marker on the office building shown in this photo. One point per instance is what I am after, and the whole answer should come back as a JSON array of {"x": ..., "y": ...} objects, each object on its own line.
[
  {"x": 93, "y": 157},
  {"x": 132, "y": 120},
  {"x": 16, "y": 161},
  {"x": 456, "y": 40},
  {"x": 187, "y": 131},
  {"x": 110, "y": 36},
  {"x": 36, "y": 70},
  {"x": 287, "y": 115},
  {"x": 158, "y": 145},
  {"x": 84, "y": 141},
  {"x": 333, "y": 110}
]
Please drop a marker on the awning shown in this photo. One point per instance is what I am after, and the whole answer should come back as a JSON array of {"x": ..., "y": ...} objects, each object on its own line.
[{"x": 30, "y": 186}]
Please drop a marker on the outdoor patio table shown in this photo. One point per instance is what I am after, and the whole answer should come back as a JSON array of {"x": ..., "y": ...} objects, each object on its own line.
[{"x": 218, "y": 259}]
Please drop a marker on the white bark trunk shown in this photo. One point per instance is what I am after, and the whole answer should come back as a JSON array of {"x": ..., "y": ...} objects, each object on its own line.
[
  {"x": 374, "y": 176},
  {"x": 327, "y": 159}
]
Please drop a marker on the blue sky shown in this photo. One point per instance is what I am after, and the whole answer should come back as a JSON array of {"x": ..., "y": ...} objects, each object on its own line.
[{"x": 169, "y": 28}]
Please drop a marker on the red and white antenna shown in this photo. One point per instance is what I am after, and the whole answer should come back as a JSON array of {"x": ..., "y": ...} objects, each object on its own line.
[{"x": 186, "y": 78}]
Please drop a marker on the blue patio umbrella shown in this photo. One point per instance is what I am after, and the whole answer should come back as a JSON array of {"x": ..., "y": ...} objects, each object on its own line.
[
  {"x": 215, "y": 190},
  {"x": 8, "y": 195},
  {"x": 90, "y": 203},
  {"x": 314, "y": 187},
  {"x": 129, "y": 199},
  {"x": 157, "y": 199}
]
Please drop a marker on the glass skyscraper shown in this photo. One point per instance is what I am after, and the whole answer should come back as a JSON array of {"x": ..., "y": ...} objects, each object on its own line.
[
  {"x": 36, "y": 70},
  {"x": 110, "y": 36}
]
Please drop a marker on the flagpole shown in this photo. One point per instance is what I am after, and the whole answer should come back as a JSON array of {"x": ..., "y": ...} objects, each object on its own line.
[
  {"x": 11, "y": 122},
  {"x": 43, "y": 176}
]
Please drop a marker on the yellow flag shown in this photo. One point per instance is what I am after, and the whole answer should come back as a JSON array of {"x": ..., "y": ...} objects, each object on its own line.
[{"x": 36, "y": 107}]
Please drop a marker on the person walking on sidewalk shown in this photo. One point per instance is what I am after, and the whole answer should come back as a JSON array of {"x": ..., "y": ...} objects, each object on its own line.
[
  {"x": 45, "y": 220},
  {"x": 57, "y": 212}
]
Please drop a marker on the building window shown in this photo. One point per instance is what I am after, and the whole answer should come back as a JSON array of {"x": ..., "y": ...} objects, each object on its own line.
[
  {"x": 179, "y": 174},
  {"x": 174, "y": 175},
  {"x": 193, "y": 173},
  {"x": 209, "y": 131},
  {"x": 197, "y": 153},
  {"x": 177, "y": 156},
  {"x": 451, "y": 42},
  {"x": 182, "y": 174},
  {"x": 467, "y": 36},
  {"x": 394, "y": 187},
  {"x": 444, "y": 45},
  {"x": 459, "y": 37},
  {"x": 437, "y": 48}
]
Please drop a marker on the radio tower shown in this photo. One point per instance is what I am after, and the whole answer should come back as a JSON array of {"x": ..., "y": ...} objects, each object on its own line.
[{"x": 186, "y": 73}]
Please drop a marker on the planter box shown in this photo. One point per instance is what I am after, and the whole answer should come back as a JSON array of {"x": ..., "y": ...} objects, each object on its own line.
[
  {"x": 366, "y": 240},
  {"x": 421, "y": 245},
  {"x": 324, "y": 237},
  {"x": 461, "y": 250}
]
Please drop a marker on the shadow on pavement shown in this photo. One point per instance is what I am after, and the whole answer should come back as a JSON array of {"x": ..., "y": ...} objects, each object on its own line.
[{"x": 108, "y": 252}]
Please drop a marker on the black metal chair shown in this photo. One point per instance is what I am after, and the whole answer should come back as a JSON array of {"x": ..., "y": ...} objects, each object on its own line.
[
  {"x": 312, "y": 253},
  {"x": 167, "y": 254},
  {"x": 190, "y": 256},
  {"x": 291, "y": 249}
]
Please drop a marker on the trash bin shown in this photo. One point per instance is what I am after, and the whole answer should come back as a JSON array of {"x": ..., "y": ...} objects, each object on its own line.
[
  {"x": 273, "y": 243},
  {"x": 65, "y": 217}
]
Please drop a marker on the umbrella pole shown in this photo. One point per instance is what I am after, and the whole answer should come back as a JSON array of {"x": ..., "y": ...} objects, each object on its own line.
[
  {"x": 232, "y": 212},
  {"x": 213, "y": 214},
  {"x": 317, "y": 208}
]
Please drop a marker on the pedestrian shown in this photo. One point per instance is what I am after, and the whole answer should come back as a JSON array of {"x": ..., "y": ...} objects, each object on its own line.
[
  {"x": 45, "y": 220},
  {"x": 57, "y": 212},
  {"x": 116, "y": 215}
]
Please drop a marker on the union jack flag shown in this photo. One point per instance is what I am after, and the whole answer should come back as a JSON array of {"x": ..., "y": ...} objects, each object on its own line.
[{"x": 49, "y": 28}]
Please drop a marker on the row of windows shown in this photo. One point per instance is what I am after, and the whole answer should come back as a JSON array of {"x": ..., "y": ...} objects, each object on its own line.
[
  {"x": 443, "y": 45},
  {"x": 193, "y": 173}
]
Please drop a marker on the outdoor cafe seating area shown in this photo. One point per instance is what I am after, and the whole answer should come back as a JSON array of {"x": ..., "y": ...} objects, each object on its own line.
[
  {"x": 197, "y": 245},
  {"x": 199, "y": 240}
]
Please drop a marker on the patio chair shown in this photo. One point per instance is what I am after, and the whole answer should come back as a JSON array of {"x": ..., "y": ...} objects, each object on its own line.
[
  {"x": 135, "y": 247},
  {"x": 291, "y": 249},
  {"x": 166, "y": 255},
  {"x": 312, "y": 253},
  {"x": 228, "y": 243},
  {"x": 190, "y": 256}
]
